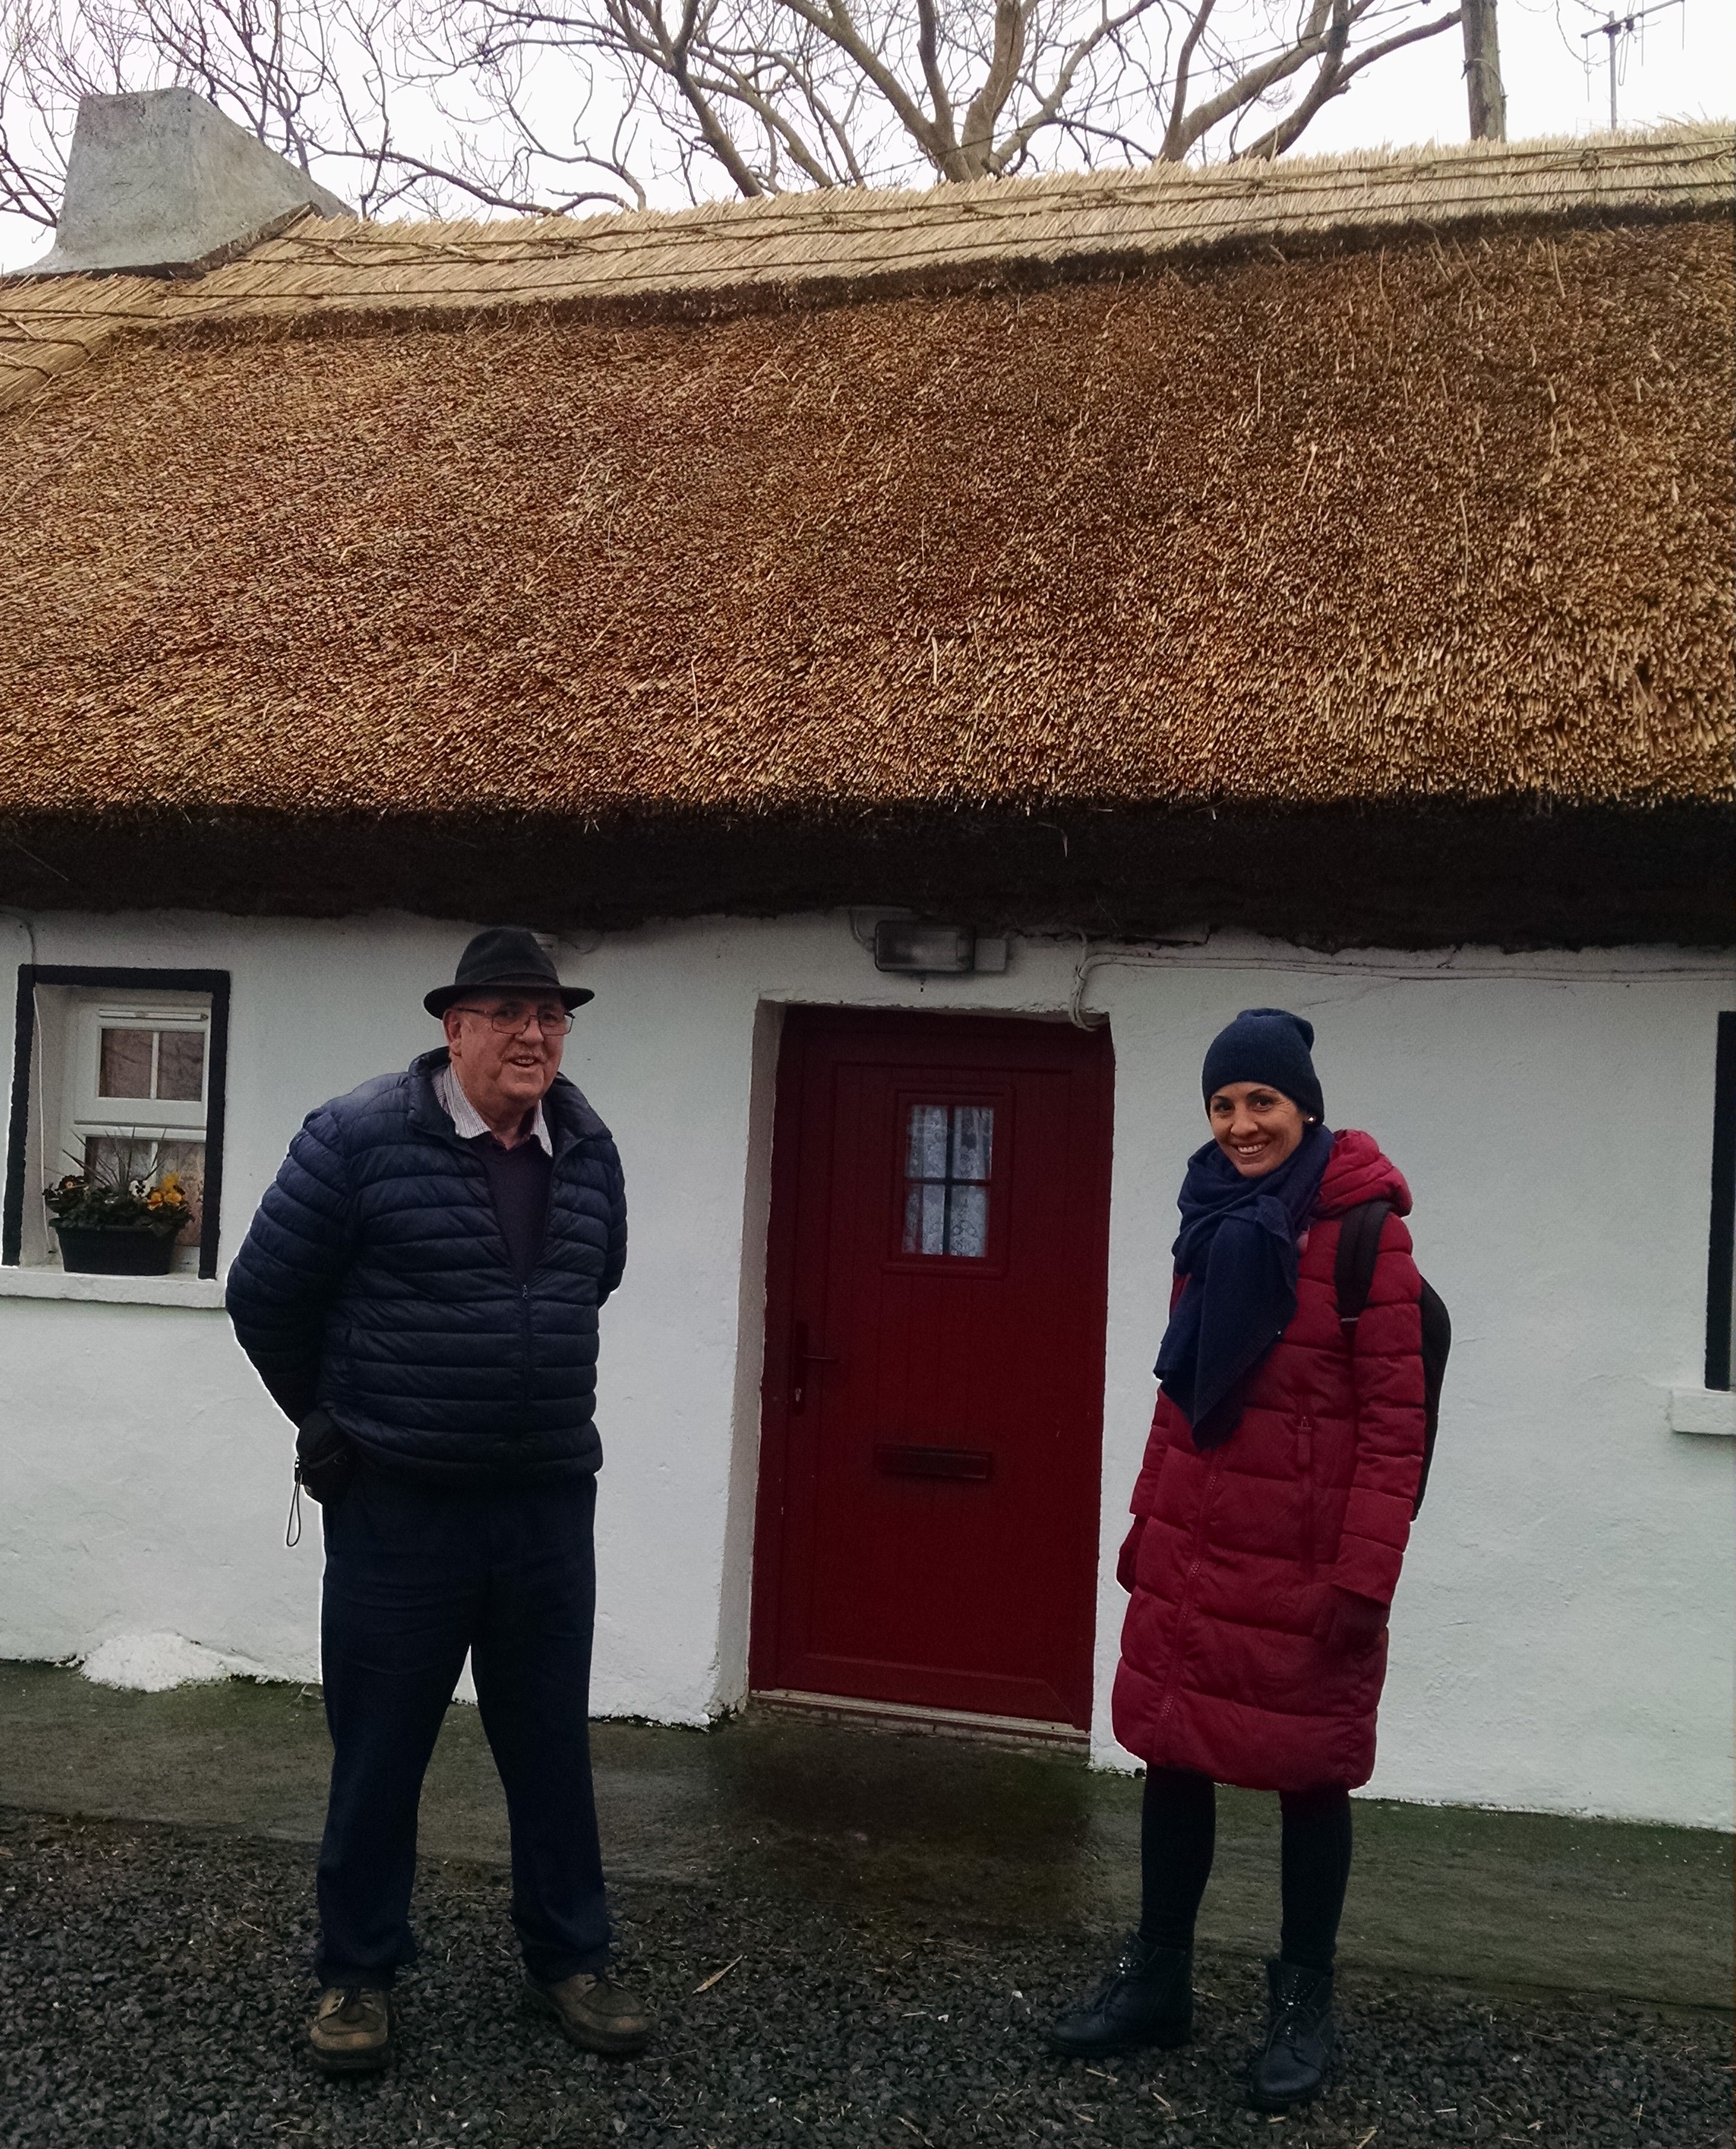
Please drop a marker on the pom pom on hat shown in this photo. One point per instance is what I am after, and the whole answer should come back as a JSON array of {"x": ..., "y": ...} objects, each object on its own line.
[{"x": 1269, "y": 1045}]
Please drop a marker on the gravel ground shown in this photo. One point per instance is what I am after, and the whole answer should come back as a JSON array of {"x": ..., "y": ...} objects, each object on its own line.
[{"x": 153, "y": 1988}]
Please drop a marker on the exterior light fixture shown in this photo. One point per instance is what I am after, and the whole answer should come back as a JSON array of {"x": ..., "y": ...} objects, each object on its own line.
[{"x": 915, "y": 944}]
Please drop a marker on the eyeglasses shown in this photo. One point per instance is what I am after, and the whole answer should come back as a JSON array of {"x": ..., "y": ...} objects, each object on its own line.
[{"x": 510, "y": 1018}]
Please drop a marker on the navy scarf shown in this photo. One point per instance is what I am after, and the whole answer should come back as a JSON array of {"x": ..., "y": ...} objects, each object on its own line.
[{"x": 1238, "y": 1251}]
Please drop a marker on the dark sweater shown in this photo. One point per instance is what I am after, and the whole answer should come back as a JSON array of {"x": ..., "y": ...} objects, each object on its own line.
[{"x": 518, "y": 1182}]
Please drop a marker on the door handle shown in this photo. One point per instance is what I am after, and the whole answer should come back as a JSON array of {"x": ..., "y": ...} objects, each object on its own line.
[{"x": 801, "y": 1358}]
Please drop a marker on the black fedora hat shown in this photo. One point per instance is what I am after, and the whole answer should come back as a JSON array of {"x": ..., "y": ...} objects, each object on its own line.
[{"x": 504, "y": 959}]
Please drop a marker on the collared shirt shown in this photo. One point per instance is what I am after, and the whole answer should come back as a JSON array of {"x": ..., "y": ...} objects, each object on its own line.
[{"x": 467, "y": 1122}]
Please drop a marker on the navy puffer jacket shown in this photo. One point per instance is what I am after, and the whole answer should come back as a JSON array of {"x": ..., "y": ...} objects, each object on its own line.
[{"x": 374, "y": 1281}]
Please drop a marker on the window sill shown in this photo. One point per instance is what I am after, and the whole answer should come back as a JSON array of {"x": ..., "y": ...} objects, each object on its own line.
[
  {"x": 199, "y": 1291},
  {"x": 1703, "y": 1410}
]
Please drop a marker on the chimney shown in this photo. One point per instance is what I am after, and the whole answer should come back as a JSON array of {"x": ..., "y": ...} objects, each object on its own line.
[{"x": 159, "y": 184}]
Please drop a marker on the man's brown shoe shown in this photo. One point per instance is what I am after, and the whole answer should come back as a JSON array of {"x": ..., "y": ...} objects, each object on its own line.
[
  {"x": 595, "y": 2012},
  {"x": 352, "y": 2032}
]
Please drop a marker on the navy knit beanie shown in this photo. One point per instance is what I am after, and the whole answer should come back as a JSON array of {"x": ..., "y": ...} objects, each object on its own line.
[{"x": 1266, "y": 1044}]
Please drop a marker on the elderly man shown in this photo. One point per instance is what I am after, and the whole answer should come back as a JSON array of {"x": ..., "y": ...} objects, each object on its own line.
[{"x": 420, "y": 1292}]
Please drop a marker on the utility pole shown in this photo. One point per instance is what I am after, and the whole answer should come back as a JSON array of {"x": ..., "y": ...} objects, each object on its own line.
[
  {"x": 1617, "y": 27},
  {"x": 1483, "y": 71}
]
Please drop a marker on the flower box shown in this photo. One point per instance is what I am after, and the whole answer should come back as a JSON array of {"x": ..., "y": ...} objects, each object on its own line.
[
  {"x": 110, "y": 1223},
  {"x": 91, "y": 1250}
]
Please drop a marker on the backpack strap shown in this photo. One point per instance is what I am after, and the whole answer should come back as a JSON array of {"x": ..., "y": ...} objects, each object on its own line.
[{"x": 1359, "y": 1246}]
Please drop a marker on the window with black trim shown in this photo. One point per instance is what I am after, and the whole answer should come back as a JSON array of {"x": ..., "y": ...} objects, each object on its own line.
[
  {"x": 1721, "y": 1259},
  {"x": 119, "y": 1075}
]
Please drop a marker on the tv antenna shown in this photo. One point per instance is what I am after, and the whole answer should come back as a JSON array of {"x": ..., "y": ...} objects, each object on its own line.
[{"x": 1617, "y": 27}]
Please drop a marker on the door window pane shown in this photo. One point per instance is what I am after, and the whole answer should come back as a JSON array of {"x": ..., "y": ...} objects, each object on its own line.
[
  {"x": 967, "y": 1221},
  {"x": 972, "y": 1140},
  {"x": 925, "y": 1218},
  {"x": 949, "y": 1156},
  {"x": 927, "y": 1154}
]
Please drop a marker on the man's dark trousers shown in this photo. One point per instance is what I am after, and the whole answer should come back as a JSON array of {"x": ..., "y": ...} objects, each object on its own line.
[{"x": 415, "y": 1574}]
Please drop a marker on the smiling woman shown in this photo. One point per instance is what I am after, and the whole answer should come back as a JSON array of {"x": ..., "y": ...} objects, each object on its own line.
[
  {"x": 1269, "y": 1522},
  {"x": 1257, "y": 1128}
]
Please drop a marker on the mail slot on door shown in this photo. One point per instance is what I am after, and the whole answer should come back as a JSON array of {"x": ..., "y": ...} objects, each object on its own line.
[{"x": 973, "y": 1465}]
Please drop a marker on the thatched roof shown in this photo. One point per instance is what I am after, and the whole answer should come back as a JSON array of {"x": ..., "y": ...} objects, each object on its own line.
[{"x": 775, "y": 544}]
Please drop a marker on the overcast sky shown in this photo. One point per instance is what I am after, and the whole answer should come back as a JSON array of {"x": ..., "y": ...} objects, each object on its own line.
[{"x": 1679, "y": 64}]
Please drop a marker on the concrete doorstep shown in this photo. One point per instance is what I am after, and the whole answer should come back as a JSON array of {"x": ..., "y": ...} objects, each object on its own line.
[{"x": 983, "y": 1838}]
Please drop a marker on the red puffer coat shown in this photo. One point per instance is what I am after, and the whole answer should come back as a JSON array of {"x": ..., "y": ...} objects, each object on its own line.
[{"x": 1233, "y": 1552}]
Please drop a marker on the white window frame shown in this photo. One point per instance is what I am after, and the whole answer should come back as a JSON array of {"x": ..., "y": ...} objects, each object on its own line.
[
  {"x": 140, "y": 1120},
  {"x": 84, "y": 1112}
]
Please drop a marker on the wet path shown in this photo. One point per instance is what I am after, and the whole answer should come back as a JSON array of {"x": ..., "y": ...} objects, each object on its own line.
[{"x": 852, "y": 1820}]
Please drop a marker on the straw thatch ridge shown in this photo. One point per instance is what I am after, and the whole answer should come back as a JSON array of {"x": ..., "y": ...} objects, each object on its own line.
[{"x": 840, "y": 243}]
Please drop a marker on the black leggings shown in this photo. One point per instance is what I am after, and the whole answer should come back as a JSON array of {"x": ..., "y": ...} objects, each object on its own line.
[{"x": 1175, "y": 1847}]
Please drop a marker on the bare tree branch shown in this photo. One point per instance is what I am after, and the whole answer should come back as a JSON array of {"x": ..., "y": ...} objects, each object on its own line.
[
  {"x": 1173, "y": 146},
  {"x": 1252, "y": 84},
  {"x": 1049, "y": 107},
  {"x": 547, "y": 106},
  {"x": 1333, "y": 79}
]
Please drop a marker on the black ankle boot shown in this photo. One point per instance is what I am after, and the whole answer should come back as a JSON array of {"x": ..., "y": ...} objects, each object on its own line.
[
  {"x": 1150, "y": 2000},
  {"x": 1292, "y": 2062}
]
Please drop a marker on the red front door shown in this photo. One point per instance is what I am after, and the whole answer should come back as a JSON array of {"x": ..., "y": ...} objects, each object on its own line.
[{"x": 933, "y": 1388}]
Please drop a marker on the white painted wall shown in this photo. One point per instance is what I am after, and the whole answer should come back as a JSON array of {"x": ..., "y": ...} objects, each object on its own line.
[{"x": 1563, "y": 1638}]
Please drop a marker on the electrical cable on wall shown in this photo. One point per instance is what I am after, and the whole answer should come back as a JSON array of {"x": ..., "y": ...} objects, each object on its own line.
[{"x": 1451, "y": 970}]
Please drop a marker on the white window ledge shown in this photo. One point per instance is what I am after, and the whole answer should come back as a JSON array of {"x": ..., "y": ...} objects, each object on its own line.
[
  {"x": 111, "y": 1290},
  {"x": 1703, "y": 1410}
]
